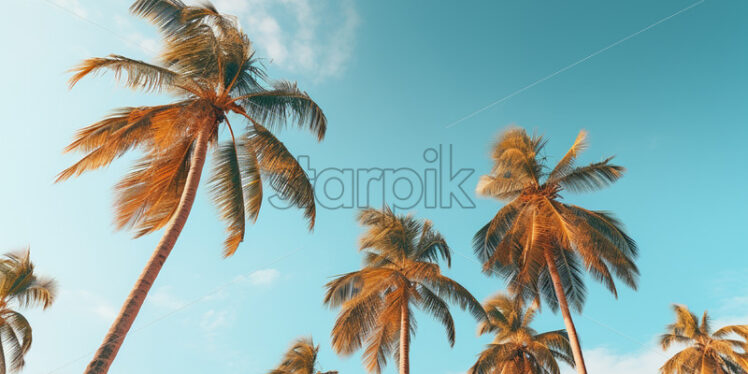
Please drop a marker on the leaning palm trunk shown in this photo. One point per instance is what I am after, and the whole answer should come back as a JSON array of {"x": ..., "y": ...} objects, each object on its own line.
[
  {"x": 576, "y": 348},
  {"x": 405, "y": 340},
  {"x": 106, "y": 353}
]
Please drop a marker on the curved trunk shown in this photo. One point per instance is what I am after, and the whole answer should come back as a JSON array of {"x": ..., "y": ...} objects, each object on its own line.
[
  {"x": 405, "y": 339},
  {"x": 576, "y": 349},
  {"x": 104, "y": 356}
]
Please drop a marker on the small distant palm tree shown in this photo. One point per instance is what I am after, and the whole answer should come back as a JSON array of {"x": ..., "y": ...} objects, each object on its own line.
[
  {"x": 301, "y": 358},
  {"x": 19, "y": 287},
  {"x": 208, "y": 65},
  {"x": 517, "y": 348},
  {"x": 707, "y": 352},
  {"x": 400, "y": 270},
  {"x": 542, "y": 245}
]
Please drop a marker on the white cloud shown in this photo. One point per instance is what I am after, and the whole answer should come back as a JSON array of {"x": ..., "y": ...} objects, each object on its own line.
[
  {"x": 93, "y": 303},
  {"x": 649, "y": 359},
  {"x": 106, "y": 312},
  {"x": 213, "y": 320},
  {"x": 164, "y": 298},
  {"x": 262, "y": 277},
  {"x": 605, "y": 360},
  {"x": 290, "y": 34}
]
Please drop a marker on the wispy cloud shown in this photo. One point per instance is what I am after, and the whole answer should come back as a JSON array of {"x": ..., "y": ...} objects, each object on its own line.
[
  {"x": 93, "y": 303},
  {"x": 290, "y": 32},
  {"x": 264, "y": 277},
  {"x": 164, "y": 298},
  {"x": 648, "y": 359},
  {"x": 213, "y": 320}
]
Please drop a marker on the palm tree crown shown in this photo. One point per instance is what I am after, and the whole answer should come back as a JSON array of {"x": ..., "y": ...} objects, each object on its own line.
[
  {"x": 208, "y": 65},
  {"x": 517, "y": 348},
  {"x": 19, "y": 287},
  {"x": 400, "y": 270},
  {"x": 707, "y": 351},
  {"x": 301, "y": 358},
  {"x": 542, "y": 245},
  {"x": 534, "y": 221}
]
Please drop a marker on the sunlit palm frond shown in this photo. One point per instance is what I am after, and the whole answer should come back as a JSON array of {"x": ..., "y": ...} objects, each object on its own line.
[
  {"x": 432, "y": 245},
  {"x": 110, "y": 138},
  {"x": 133, "y": 73},
  {"x": 253, "y": 181},
  {"x": 438, "y": 308},
  {"x": 566, "y": 163},
  {"x": 20, "y": 286},
  {"x": 517, "y": 348},
  {"x": 591, "y": 177},
  {"x": 301, "y": 358},
  {"x": 148, "y": 196},
  {"x": 228, "y": 194},
  {"x": 705, "y": 352},
  {"x": 272, "y": 108},
  {"x": 166, "y": 14},
  {"x": 516, "y": 155},
  {"x": 283, "y": 172},
  {"x": 19, "y": 283}
]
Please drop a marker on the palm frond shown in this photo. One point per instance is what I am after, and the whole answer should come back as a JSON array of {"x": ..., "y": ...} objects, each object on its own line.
[
  {"x": 228, "y": 194},
  {"x": 283, "y": 172},
  {"x": 273, "y": 108},
  {"x": 133, "y": 73},
  {"x": 438, "y": 308},
  {"x": 566, "y": 163},
  {"x": 591, "y": 177}
]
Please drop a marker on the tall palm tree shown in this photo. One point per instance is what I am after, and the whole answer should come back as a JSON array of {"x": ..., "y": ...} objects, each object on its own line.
[
  {"x": 707, "y": 351},
  {"x": 542, "y": 245},
  {"x": 301, "y": 358},
  {"x": 400, "y": 270},
  {"x": 19, "y": 287},
  {"x": 517, "y": 348},
  {"x": 208, "y": 65}
]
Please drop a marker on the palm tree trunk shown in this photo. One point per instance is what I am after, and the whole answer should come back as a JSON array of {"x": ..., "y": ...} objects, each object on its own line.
[
  {"x": 576, "y": 349},
  {"x": 103, "y": 358},
  {"x": 405, "y": 340}
]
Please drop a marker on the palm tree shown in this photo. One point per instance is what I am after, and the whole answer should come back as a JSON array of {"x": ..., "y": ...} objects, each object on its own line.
[
  {"x": 208, "y": 65},
  {"x": 542, "y": 245},
  {"x": 301, "y": 358},
  {"x": 400, "y": 270},
  {"x": 708, "y": 352},
  {"x": 19, "y": 287},
  {"x": 517, "y": 348}
]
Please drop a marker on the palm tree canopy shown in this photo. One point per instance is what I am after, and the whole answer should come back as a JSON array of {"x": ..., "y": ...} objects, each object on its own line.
[
  {"x": 534, "y": 221},
  {"x": 400, "y": 270},
  {"x": 207, "y": 64},
  {"x": 517, "y": 348},
  {"x": 301, "y": 358},
  {"x": 19, "y": 287},
  {"x": 724, "y": 351}
]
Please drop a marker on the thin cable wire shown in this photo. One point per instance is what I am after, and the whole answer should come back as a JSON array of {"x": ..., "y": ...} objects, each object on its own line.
[{"x": 567, "y": 67}]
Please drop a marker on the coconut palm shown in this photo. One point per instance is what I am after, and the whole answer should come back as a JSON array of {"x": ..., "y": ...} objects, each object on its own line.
[
  {"x": 543, "y": 245},
  {"x": 301, "y": 358},
  {"x": 208, "y": 65},
  {"x": 19, "y": 288},
  {"x": 400, "y": 270},
  {"x": 517, "y": 348},
  {"x": 707, "y": 351}
]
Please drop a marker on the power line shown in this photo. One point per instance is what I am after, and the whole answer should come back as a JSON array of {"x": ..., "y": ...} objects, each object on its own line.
[{"x": 567, "y": 67}]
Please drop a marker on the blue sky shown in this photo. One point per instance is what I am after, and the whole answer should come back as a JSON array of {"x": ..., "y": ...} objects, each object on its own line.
[{"x": 391, "y": 77}]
